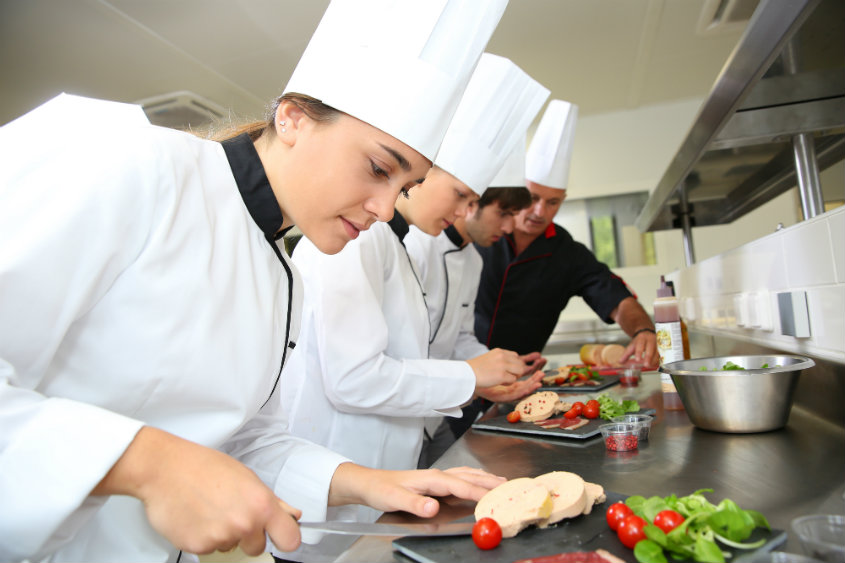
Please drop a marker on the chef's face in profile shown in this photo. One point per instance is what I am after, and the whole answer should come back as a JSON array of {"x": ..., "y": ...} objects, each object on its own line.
[
  {"x": 545, "y": 202},
  {"x": 438, "y": 202},
  {"x": 490, "y": 223},
  {"x": 341, "y": 176}
]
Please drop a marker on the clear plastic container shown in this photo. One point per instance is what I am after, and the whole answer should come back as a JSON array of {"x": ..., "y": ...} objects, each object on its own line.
[
  {"x": 629, "y": 376},
  {"x": 822, "y": 536},
  {"x": 620, "y": 436},
  {"x": 641, "y": 422}
]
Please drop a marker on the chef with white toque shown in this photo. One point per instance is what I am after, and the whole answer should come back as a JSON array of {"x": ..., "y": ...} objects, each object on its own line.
[{"x": 361, "y": 381}]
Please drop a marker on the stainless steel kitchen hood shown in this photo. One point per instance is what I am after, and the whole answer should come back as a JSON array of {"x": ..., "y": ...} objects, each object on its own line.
[{"x": 783, "y": 88}]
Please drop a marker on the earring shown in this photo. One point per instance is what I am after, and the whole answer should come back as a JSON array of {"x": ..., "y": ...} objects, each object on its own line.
[{"x": 282, "y": 124}]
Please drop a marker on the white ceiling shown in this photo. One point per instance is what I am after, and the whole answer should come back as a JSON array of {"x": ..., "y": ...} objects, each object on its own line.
[{"x": 604, "y": 55}]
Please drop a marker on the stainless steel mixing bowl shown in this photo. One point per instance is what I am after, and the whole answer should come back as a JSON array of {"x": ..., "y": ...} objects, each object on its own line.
[{"x": 755, "y": 399}]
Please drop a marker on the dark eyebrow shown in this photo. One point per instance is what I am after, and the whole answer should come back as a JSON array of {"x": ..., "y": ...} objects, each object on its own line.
[{"x": 403, "y": 162}]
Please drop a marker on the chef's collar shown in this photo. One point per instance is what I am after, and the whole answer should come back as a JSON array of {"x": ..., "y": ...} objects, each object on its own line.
[
  {"x": 453, "y": 235},
  {"x": 399, "y": 225},
  {"x": 254, "y": 186}
]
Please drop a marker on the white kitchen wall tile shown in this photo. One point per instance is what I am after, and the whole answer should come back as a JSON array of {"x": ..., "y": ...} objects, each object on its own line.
[
  {"x": 827, "y": 316},
  {"x": 808, "y": 254},
  {"x": 836, "y": 225},
  {"x": 764, "y": 266}
]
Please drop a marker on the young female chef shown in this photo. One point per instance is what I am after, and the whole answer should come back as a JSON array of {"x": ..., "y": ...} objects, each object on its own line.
[
  {"x": 146, "y": 309},
  {"x": 364, "y": 381}
]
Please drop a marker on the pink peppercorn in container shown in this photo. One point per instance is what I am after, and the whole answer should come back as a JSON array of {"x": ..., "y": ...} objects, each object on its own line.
[{"x": 619, "y": 436}]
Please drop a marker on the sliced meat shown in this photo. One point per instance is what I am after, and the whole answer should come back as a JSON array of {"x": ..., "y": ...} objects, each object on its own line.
[
  {"x": 568, "y": 492},
  {"x": 538, "y": 406},
  {"x": 573, "y": 423},
  {"x": 597, "y": 556},
  {"x": 611, "y": 355},
  {"x": 515, "y": 505},
  {"x": 595, "y": 495}
]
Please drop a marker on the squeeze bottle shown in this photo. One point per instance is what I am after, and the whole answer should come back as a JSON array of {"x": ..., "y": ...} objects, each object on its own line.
[{"x": 670, "y": 344}]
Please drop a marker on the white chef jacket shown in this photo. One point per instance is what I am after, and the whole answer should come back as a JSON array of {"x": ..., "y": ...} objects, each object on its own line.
[
  {"x": 449, "y": 273},
  {"x": 137, "y": 287},
  {"x": 360, "y": 378}
]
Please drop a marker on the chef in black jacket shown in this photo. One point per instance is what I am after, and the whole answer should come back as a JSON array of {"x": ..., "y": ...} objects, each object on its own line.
[{"x": 529, "y": 276}]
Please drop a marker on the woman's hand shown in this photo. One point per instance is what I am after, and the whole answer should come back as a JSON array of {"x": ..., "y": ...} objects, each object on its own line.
[
  {"x": 201, "y": 500},
  {"x": 410, "y": 491},
  {"x": 513, "y": 391},
  {"x": 496, "y": 367}
]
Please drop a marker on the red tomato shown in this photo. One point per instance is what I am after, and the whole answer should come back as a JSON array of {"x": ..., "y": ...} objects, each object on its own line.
[
  {"x": 578, "y": 406},
  {"x": 571, "y": 413},
  {"x": 486, "y": 533},
  {"x": 514, "y": 416},
  {"x": 668, "y": 520},
  {"x": 560, "y": 380},
  {"x": 590, "y": 410},
  {"x": 617, "y": 512},
  {"x": 630, "y": 530},
  {"x": 593, "y": 402}
]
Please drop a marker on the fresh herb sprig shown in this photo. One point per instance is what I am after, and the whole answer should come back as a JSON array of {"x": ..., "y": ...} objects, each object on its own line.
[{"x": 696, "y": 537}]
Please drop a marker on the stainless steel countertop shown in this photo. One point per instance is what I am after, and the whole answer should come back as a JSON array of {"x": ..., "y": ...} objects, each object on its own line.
[{"x": 797, "y": 470}]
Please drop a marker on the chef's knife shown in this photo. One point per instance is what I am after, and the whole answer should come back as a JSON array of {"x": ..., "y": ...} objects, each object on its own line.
[{"x": 365, "y": 529}]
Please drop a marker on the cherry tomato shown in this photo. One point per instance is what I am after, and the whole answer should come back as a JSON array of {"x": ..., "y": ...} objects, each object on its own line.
[
  {"x": 617, "y": 512},
  {"x": 571, "y": 413},
  {"x": 630, "y": 530},
  {"x": 591, "y": 411},
  {"x": 593, "y": 402},
  {"x": 668, "y": 520},
  {"x": 578, "y": 406},
  {"x": 486, "y": 533},
  {"x": 560, "y": 380},
  {"x": 514, "y": 416}
]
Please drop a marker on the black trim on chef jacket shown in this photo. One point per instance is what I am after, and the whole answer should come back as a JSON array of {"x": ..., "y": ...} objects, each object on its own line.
[
  {"x": 455, "y": 237},
  {"x": 521, "y": 297},
  {"x": 264, "y": 209},
  {"x": 400, "y": 228}
]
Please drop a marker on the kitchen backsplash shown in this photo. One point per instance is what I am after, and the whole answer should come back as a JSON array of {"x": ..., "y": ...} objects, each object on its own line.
[{"x": 785, "y": 290}]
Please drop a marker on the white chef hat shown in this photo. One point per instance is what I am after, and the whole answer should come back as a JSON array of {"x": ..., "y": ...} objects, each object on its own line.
[
  {"x": 399, "y": 65},
  {"x": 497, "y": 107},
  {"x": 550, "y": 151},
  {"x": 512, "y": 173}
]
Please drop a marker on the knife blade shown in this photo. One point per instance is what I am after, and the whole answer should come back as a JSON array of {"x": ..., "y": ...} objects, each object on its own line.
[{"x": 376, "y": 529}]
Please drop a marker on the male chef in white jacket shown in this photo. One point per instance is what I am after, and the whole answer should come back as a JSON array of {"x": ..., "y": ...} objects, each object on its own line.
[
  {"x": 142, "y": 293},
  {"x": 450, "y": 269}
]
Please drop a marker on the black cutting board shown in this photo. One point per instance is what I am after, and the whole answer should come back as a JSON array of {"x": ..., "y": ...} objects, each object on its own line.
[
  {"x": 500, "y": 423},
  {"x": 584, "y": 533},
  {"x": 606, "y": 381}
]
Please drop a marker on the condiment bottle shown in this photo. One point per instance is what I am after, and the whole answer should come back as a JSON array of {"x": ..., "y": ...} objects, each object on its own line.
[
  {"x": 684, "y": 330},
  {"x": 670, "y": 344}
]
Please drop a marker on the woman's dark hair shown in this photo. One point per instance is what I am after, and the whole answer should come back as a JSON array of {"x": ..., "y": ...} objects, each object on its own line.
[
  {"x": 312, "y": 107},
  {"x": 516, "y": 198}
]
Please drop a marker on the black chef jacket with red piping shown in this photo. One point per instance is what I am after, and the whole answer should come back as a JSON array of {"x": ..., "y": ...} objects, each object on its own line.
[{"x": 521, "y": 297}]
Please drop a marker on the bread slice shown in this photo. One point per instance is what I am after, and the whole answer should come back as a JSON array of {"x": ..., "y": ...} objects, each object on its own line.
[
  {"x": 538, "y": 406},
  {"x": 568, "y": 492},
  {"x": 515, "y": 505},
  {"x": 611, "y": 355}
]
